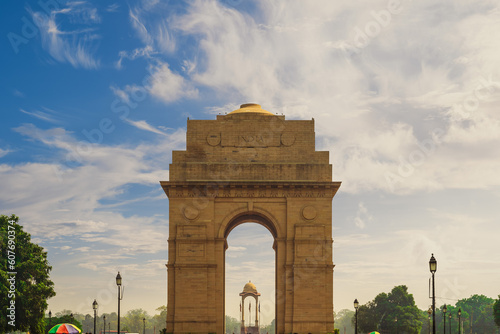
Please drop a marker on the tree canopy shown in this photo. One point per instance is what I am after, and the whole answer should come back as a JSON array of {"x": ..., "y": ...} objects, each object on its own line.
[
  {"x": 132, "y": 321},
  {"x": 390, "y": 313},
  {"x": 496, "y": 311},
  {"x": 24, "y": 279},
  {"x": 477, "y": 313},
  {"x": 343, "y": 321}
]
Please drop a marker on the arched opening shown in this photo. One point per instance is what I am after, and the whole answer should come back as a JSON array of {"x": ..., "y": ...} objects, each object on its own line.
[{"x": 250, "y": 256}]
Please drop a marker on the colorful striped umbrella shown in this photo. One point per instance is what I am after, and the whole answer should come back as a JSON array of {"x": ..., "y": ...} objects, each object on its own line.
[
  {"x": 374, "y": 333},
  {"x": 65, "y": 329}
]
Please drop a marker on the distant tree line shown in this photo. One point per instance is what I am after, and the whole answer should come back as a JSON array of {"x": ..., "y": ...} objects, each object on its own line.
[
  {"x": 396, "y": 312},
  {"x": 131, "y": 322},
  {"x": 233, "y": 325}
]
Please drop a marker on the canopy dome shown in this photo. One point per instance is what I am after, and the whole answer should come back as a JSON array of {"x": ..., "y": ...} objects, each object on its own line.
[
  {"x": 250, "y": 288},
  {"x": 253, "y": 108}
]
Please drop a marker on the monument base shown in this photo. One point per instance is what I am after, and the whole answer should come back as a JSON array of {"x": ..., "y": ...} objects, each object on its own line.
[{"x": 250, "y": 330}]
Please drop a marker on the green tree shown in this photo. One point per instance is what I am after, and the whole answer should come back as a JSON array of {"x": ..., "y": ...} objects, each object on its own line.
[
  {"x": 496, "y": 311},
  {"x": 269, "y": 329},
  {"x": 232, "y": 325},
  {"x": 160, "y": 320},
  {"x": 133, "y": 320},
  {"x": 391, "y": 313},
  {"x": 24, "y": 279},
  {"x": 343, "y": 321},
  {"x": 479, "y": 309}
]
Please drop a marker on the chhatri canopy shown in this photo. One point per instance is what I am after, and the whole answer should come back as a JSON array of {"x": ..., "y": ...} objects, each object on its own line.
[{"x": 65, "y": 329}]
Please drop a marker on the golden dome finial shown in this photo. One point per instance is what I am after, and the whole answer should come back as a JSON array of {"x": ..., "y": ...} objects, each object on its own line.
[{"x": 253, "y": 108}]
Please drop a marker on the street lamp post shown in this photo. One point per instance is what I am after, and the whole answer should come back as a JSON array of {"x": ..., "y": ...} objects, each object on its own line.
[
  {"x": 50, "y": 318},
  {"x": 144, "y": 322},
  {"x": 104, "y": 320},
  {"x": 397, "y": 326},
  {"x": 433, "y": 269},
  {"x": 444, "y": 318},
  {"x": 429, "y": 312},
  {"x": 449, "y": 318},
  {"x": 459, "y": 323},
  {"x": 94, "y": 306},
  {"x": 356, "y": 306},
  {"x": 120, "y": 296}
]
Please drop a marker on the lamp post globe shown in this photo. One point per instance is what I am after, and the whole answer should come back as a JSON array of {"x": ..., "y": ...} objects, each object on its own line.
[
  {"x": 433, "y": 269},
  {"x": 356, "y": 306},
  {"x": 95, "y": 306}
]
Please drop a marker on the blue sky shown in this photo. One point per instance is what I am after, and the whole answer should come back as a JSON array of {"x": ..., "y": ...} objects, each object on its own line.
[{"x": 405, "y": 95}]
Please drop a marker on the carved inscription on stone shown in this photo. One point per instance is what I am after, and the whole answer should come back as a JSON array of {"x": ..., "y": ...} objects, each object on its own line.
[
  {"x": 255, "y": 192},
  {"x": 250, "y": 139},
  {"x": 192, "y": 249},
  {"x": 192, "y": 231}
]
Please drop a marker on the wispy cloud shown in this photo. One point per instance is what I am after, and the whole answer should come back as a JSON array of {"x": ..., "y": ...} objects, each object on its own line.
[
  {"x": 4, "y": 152},
  {"x": 362, "y": 216},
  {"x": 146, "y": 51},
  {"x": 45, "y": 116},
  {"x": 143, "y": 125},
  {"x": 18, "y": 93},
  {"x": 113, "y": 8},
  {"x": 71, "y": 46}
]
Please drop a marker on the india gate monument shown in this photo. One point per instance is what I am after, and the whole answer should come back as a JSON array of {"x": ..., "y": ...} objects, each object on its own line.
[{"x": 250, "y": 165}]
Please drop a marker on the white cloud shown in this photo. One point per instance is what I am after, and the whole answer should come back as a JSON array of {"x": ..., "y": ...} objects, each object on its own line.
[
  {"x": 143, "y": 125},
  {"x": 69, "y": 193},
  {"x": 146, "y": 51},
  {"x": 124, "y": 95},
  {"x": 45, "y": 116},
  {"x": 72, "y": 46},
  {"x": 169, "y": 86},
  {"x": 4, "y": 152},
  {"x": 362, "y": 216},
  {"x": 374, "y": 108},
  {"x": 113, "y": 8}
]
